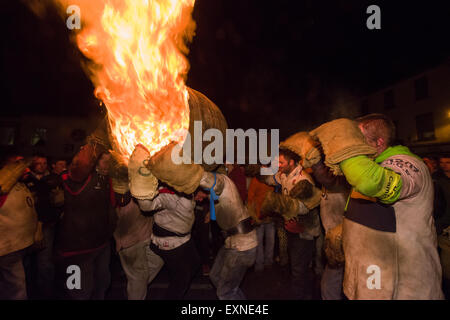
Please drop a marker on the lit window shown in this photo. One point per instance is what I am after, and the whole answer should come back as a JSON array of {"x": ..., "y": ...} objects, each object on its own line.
[
  {"x": 7, "y": 135},
  {"x": 39, "y": 136},
  {"x": 425, "y": 126}
]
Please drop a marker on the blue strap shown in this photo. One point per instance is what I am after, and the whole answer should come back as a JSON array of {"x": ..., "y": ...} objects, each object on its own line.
[
  {"x": 212, "y": 197},
  {"x": 277, "y": 185}
]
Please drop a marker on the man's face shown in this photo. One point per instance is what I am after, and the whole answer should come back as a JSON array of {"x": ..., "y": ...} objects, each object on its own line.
[
  {"x": 40, "y": 165},
  {"x": 200, "y": 196},
  {"x": 285, "y": 166},
  {"x": 444, "y": 163},
  {"x": 59, "y": 166},
  {"x": 103, "y": 164},
  {"x": 431, "y": 164}
]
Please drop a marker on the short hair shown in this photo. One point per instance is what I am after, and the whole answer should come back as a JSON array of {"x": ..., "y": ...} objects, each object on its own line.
[
  {"x": 39, "y": 155},
  {"x": 290, "y": 155},
  {"x": 377, "y": 125},
  {"x": 445, "y": 155}
]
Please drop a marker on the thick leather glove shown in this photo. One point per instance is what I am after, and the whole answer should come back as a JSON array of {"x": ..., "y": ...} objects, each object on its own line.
[
  {"x": 333, "y": 247},
  {"x": 306, "y": 193},
  {"x": 143, "y": 184},
  {"x": 100, "y": 135},
  {"x": 182, "y": 177},
  {"x": 305, "y": 146},
  {"x": 277, "y": 203},
  {"x": 118, "y": 172},
  {"x": 341, "y": 139},
  {"x": 302, "y": 190},
  {"x": 11, "y": 173}
]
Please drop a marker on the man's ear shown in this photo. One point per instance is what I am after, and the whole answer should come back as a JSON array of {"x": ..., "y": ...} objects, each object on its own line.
[{"x": 381, "y": 142}]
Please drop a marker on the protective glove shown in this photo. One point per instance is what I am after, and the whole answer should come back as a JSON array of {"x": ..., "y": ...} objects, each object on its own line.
[
  {"x": 341, "y": 139},
  {"x": 100, "y": 136},
  {"x": 277, "y": 203},
  {"x": 143, "y": 184},
  {"x": 333, "y": 247},
  {"x": 306, "y": 193},
  {"x": 118, "y": 172},
  {"x": 11, "y": 173},
  {"x": 305, "y": 146},
  {"x": 182, "y": 177}
]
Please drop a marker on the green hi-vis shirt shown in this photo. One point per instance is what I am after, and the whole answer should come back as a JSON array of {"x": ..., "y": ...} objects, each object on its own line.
[{"x": 373, "y": 180}]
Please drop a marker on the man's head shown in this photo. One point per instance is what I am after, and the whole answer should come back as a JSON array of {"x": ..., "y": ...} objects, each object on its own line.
[
  {"x": 103, "y": 163},
  {"x": 39, "y": 164},
  {"x": 59, "y": 166},
  {"x": 432, "y": 163},
  {"x": 378, "y": 130},
  {"x": 287, "y": 161},
  {"x": 200, "y": 195},
  {"x": 444, "y": 163}
]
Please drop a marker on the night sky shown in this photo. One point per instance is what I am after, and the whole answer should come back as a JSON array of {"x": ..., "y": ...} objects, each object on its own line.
[{"x": 278, "y": 64}]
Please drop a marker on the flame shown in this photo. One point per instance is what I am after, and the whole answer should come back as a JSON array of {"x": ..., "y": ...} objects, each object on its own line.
[{"x": 140, "y": 71}]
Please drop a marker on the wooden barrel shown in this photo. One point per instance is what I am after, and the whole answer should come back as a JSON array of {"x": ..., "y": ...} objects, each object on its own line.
[{"x": 204, "y": 110}]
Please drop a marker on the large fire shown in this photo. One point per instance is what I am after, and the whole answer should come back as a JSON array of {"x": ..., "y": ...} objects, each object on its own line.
[{"x": 140, "y": 71}]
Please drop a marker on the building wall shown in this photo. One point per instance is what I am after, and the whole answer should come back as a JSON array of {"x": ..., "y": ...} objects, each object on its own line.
[
  {"x": 63, "y": 136},
  {"x": 406, "y": 109}
]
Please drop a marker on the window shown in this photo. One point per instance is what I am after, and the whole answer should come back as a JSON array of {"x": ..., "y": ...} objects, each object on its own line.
[
  {"x": 389, "y": 100},
  {"x": 39, "y": 137},
  {"x": 425, "y": 126},
  {"x": 7, "y": 135},
  {"x": 421, "y": 88}
]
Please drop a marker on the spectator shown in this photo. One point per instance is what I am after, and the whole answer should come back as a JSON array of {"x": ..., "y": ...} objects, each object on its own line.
[
  {"x": 265, "y": 227},
  {"x": 443, "y": 183},
  {"x": 18, "y": 229},
  {"x": 84, "y": 233}
]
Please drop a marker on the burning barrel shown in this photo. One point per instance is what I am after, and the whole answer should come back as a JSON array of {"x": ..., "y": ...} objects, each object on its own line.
[{"x": 204, "y": 110}]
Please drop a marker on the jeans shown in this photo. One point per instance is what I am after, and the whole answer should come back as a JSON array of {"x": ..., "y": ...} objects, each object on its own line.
[
  {"x": 331, "y": 283},
  {"x": 300, "y": 256},
  {"x": 182, "y": 263},
  {"x": 228, "y": 271},
  {"x": 141, "y": 265},
  {"x": 266, "y": 241},
  {"x": 12, "y": 276},
  {"x": 94, "y": 271},
  {"x": 44, "y": 262}
]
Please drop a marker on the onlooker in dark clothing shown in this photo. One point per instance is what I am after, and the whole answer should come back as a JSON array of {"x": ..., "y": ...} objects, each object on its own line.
[
  {"x": 432, "y": 163},
  {"x": 440, "y": 203},
  {"x": 443, "y": 182},
  {"x": 84, "y": 233},
  {"x": 38, "y": 261}
]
